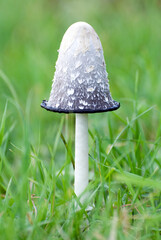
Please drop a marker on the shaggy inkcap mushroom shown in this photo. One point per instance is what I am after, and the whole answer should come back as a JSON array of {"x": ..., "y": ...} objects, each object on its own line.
[
  {"x": 80, "y": 82},
  {"x": 80, "y": 86}
]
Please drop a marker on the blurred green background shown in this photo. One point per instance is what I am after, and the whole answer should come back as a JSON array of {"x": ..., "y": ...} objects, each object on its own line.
[
  {"x": 30, "y": 35},
  {"x": 31, "y": 31}
]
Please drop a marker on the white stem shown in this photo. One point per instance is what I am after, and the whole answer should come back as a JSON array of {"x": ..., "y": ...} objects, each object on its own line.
[{"x": 81, "y": 154}]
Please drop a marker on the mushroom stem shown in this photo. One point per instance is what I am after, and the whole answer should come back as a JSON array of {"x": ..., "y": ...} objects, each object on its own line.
[{"x": 81, "y": 154}]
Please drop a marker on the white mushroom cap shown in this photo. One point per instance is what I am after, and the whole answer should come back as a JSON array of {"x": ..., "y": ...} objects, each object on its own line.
[{"x": 80, "y": 81}]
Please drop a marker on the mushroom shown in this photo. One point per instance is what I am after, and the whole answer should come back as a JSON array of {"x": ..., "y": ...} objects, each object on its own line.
[{"x": 80, "y": 86}]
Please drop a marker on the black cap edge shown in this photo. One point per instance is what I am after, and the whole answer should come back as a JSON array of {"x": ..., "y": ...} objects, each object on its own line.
[{"x": 44, "y": 105}]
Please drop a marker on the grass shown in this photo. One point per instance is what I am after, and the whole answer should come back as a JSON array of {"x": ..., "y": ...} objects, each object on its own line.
[{"x": 37, "y": 147}]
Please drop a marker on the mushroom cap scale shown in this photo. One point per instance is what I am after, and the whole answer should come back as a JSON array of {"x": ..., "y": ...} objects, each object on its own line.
[{"x": 80, "y": 83}]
